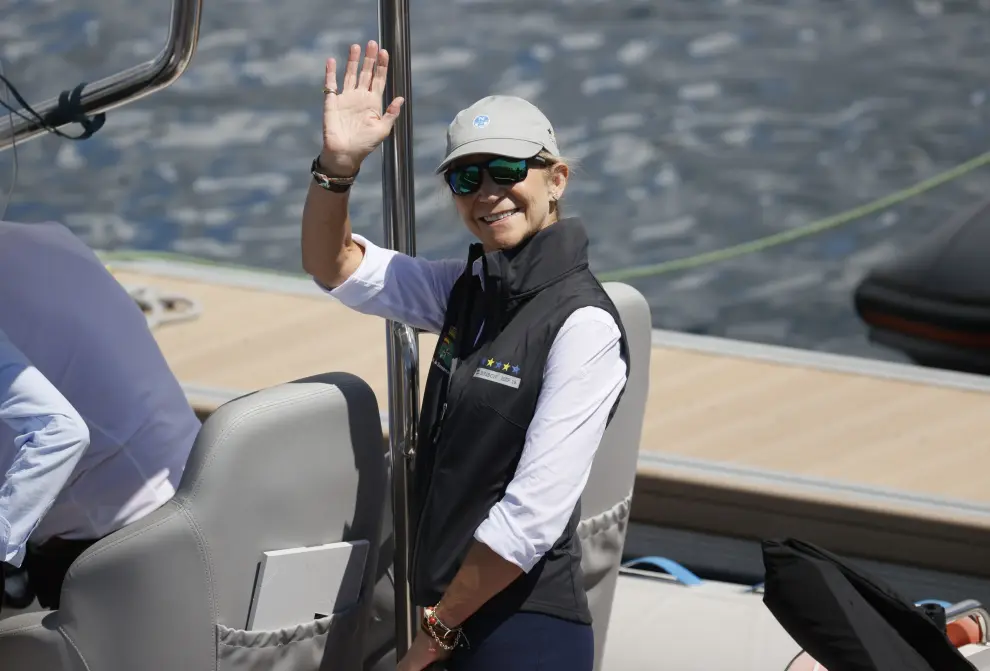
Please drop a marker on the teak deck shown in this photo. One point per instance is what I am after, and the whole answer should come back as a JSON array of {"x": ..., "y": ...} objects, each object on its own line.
[{"x": 739, "y": 439}]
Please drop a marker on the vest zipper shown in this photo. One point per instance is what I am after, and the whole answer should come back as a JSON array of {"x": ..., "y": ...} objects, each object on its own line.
[
  {"x": 435, "y": 440},
  {"x": 437, "y": 425}
]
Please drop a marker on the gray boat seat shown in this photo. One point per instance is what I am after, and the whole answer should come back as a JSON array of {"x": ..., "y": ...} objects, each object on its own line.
[
  {"x": 298, "y": 464},
  {"x": 606, "y": 500}
]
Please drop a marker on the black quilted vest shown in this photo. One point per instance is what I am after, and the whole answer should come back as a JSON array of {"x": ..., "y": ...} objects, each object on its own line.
[{"x": 481, "y": 393}]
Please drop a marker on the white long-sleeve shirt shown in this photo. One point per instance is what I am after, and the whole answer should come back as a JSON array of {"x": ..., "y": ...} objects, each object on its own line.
[
  {"x": 85, "y": 334},
  {"x": 584, "y": 375}
]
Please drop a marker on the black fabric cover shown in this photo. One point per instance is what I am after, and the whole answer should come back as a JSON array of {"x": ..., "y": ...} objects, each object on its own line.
[
  {"x": 849, "y": 621},
  {"x": 948, "y": 265}
]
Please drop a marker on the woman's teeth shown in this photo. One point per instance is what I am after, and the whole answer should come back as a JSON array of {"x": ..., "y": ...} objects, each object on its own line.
[{"x": 492, "y": 218}]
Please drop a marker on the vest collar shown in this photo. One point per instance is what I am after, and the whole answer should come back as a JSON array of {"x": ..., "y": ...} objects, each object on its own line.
[
  {"x": 539, "y": 261},
  {"x": 508, "y": 277}
]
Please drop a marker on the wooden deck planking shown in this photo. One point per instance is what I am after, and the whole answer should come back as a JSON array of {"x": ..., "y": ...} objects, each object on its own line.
[
  {"x": 246, "y": 339},
  {"x": 874, "y": 431},
  {"x": 800, "y": 420}
]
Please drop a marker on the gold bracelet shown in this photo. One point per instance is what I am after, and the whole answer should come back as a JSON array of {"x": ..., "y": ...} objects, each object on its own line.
[{"x": 432, "y": 623}]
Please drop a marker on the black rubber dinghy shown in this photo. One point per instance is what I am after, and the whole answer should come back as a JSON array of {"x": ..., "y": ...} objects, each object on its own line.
[{"x": 933, "y": 304}]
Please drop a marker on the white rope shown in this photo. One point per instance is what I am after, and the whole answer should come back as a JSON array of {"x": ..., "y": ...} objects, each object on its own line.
[{"x": 161, "y": 308}]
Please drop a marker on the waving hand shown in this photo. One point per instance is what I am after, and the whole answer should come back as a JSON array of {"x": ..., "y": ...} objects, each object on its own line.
[{"x": 353, "y": 125}]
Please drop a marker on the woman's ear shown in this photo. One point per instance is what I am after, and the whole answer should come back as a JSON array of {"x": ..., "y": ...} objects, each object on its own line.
[{"x": 558, "y": 174}]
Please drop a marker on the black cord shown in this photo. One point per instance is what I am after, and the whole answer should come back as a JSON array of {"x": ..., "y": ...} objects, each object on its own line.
[
  {"x": 13, "y": 176},
  {"x": 69, "y": 110}
]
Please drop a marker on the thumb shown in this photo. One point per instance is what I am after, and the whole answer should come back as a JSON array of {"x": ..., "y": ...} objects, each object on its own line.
[{"x": 392, "y": 111}]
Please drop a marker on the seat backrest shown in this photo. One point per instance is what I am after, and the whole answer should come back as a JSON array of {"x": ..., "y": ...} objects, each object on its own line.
[
  {"x": 299, "y": 464},
  {"x": 607, "y": 496}
]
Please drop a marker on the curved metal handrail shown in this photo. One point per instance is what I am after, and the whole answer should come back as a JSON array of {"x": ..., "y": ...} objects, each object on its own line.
[
  {"x": 403, "y": 349},
  {"x": 972, "y": 609},
  {"x": 123, "y": 87},
  {"x": 964, "y": 608}
]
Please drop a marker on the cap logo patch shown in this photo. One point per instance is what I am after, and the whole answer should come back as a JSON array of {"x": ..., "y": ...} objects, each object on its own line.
[{"x": 481, "y": 121}]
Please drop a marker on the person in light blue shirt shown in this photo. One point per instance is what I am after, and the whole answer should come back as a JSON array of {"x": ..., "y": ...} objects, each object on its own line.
[
  {"x": 50, "y": 438},
  {"x": 83, "y": 333}
]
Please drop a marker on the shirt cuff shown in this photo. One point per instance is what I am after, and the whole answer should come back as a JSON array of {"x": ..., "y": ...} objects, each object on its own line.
[
  {"x": 11, "y": 555},
  {"x": 505, "y": 539},
  {"x": 367, "y": 279}
]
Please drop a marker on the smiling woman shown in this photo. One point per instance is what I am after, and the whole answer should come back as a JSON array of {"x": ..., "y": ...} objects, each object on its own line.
[
  {"x": 526, "y": 376},
  {"x": 527, "y": 186},
  {"x": 504, "y": 169}
]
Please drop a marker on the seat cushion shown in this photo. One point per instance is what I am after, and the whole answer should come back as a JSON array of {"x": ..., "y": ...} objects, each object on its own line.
[{"x": 32, "y": 641}]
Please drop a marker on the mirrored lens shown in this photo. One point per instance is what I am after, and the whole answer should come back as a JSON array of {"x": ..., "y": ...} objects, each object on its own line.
[
  {"x": 465, "y": 180},
  {"x": 507, "y": 171}
]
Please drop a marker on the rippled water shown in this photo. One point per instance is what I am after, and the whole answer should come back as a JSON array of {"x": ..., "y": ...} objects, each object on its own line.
[{"x": 696, "y": 123}]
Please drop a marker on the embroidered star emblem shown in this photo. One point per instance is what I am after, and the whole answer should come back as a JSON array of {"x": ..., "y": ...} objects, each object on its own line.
[
  {"x": 515, "y": 369},
  {"x": 505, "y": 367},
  {"x": 491, "y": 362},
  {"x": 498, "y": 364}
]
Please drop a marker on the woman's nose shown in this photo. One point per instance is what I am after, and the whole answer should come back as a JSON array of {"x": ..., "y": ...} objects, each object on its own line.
[{"x": 489, "y": 188}]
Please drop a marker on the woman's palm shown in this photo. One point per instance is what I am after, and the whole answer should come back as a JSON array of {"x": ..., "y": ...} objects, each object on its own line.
[{"x": 352, "y": 123}]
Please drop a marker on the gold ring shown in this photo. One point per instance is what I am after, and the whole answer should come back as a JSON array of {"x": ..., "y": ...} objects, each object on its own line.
[{"x": 328, "y": 91}]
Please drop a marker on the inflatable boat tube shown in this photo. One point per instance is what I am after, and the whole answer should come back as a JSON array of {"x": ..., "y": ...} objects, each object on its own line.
[{"x": 933, "y": 304}]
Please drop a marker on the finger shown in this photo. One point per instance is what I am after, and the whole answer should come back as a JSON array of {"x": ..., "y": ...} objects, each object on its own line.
[
  {"x": 368, "y": 66},
  {"x": 351, "y": 72},
  {"x": 392, "y": 111},
  {"x": 381, "y": 74},
  {"x": 330, "y": 78}
]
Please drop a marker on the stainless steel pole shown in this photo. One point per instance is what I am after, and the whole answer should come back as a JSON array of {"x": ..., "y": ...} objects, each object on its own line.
[{"x": 402, "y": 341}]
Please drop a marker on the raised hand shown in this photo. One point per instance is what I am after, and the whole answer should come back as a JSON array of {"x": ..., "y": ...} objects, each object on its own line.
[{"x": 353, "y": 125}]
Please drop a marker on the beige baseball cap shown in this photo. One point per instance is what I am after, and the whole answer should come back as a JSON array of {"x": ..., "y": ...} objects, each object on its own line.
[{"x": 501, "y": 125}]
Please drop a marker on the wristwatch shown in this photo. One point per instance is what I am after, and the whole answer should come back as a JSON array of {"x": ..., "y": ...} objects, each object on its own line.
[{"x": 334, "y": 184}]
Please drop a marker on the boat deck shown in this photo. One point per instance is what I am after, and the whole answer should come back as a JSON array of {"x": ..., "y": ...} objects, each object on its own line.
[{"x": 775, "y": 434}]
